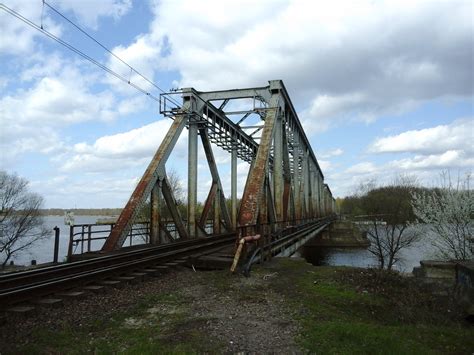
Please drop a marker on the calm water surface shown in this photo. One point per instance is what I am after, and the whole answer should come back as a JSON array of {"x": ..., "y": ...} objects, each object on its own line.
[
  {"x": 359, "y": 257},
  {"x": 43, "y": 251}
]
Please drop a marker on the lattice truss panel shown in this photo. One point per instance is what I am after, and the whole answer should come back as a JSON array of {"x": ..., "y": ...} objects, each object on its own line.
[{"x": 285, "y": 184}]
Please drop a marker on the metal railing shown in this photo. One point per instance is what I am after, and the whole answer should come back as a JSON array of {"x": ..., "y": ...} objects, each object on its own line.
[
  {"x": 277, "y": 228},
  {"x": 86, "y": 238},
  {"x": 284, "y": 238}
]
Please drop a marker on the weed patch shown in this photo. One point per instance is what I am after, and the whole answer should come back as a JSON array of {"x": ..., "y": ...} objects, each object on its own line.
[{"x": 358, "y": 311}]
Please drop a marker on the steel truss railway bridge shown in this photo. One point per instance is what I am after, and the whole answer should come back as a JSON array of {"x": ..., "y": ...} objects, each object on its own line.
[{"x": 285, "y": 200}]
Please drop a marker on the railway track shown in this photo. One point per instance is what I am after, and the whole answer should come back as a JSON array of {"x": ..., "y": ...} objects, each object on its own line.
[
  {"x": 287, "y": 244},
  {"x": 54, "y": 282},
  {"x": 26, "y": 286}
]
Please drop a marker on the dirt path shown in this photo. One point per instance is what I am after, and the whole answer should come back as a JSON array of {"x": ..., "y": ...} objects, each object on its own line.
[
  {"x": 245, "y": 314},
  {"x": 203, "y": 311}
]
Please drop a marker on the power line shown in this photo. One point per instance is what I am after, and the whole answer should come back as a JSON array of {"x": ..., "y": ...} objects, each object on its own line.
[
  {"x": 84, "y": 55},
  {"x": 103, "y": 46}
]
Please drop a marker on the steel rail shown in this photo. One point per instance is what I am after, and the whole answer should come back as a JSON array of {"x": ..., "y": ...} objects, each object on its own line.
[
  {"x": 284, "y": 242},
  {"x": 21, "y": 277},
  {"x": 77, "y": 276}
]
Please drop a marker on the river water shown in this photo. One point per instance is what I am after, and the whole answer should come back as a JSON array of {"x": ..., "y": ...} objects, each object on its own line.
[
  {"x": 361, "y": 257},
  {"x": 43, "y": 251}
]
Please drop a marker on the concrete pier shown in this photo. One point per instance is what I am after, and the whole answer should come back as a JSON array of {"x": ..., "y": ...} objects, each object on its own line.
[{"x": 339, "y": 235}]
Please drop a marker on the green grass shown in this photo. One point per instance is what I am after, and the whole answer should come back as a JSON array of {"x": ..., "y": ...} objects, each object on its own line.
[
  {"x": 339, "y": 310},
  {"x": 341, "y": 318},
  {"x": 343, "y": 337}
]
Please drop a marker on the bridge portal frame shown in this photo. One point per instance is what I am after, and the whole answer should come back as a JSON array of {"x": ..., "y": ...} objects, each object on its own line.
[{"x": 284, "y": 186}]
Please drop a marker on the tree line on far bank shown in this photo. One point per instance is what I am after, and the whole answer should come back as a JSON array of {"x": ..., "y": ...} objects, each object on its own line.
[
  {"x": 81, "y": 211},
  {"x": 402, "y": 213}
]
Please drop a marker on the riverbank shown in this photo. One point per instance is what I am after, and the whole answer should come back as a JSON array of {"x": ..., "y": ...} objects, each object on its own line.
[
  {"x": 81, "y": 211},
  {"x": 286, "y": 306}
]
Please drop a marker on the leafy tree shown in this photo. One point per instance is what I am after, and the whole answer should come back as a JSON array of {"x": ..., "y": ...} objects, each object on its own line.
[
  {"x": 21, "y": 224},
  {"x": 447, "y": 213}
]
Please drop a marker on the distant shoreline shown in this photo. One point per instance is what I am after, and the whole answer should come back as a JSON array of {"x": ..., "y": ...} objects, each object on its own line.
[{"x": 82, "y": 211}]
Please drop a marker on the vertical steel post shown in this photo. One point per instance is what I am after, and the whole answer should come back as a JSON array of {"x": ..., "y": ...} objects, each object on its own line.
[
  {"x": 271, "y": 213},
  {"x": 296, "y": 179},
  {"x": 155, "y": 217},
  {"x": 286, "y": 172},
  {"x": 278, "y": 167},
  {"x": 233, "y": 190},
  {"x": 305, "y": 180},
  {"x": 89, "y": 236},
  {"x": 56, "y": 244},
  {"x": 71, "y": 240},
  {"x": 315, "y": 193},
  {"x": 192, "y": 178},
  {"x": 324, "y": 201},
  {"x": 217, "y": 217},
  {"x": 82, "y": 239},
  {"x": 311, "y": 188}
]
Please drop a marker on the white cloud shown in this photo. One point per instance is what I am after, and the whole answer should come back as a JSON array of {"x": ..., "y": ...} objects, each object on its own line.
[
  {"x": 4, "y": 82},
  {"x": 427, "y": 152},
  {"x": 143, "y": 55},
  {"x": 362, "y": 168},
  {"x": 325, "y": 165},
  {"x": 424, "y": 167},
  {"x": 89, "y": 11},
  {"x": 355, "y": 64},
  {"x": 50, "y": 101},
  {"x": 452, "y": 159},
  {"x": 19, "y": 38},
  {"x": 58, "y": 94},
  {"x": 331, "y": 153},
  {"x": 115, "y": 152},
  {"x": 85, "y": 191},
  {"x": 319, "y": 117},
  {"x": 40, "y": 65},
  {"x": 339, "y": 66},
  {"x": 458, "y": 135}
]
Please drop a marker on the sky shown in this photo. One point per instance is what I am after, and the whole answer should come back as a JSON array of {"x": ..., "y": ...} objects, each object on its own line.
[{"x": 382, "y": 88}]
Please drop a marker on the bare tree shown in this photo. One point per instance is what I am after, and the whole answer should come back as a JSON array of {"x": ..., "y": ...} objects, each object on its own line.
[
  {"x": 387, "y": 214},
  {"x": 178, "y": 193},
  {"x": 176, "y": 186},
  {"x": 21, "y": 224},
  {"x": 447, "y": 213},
  {"x": 388, "y": 240}
]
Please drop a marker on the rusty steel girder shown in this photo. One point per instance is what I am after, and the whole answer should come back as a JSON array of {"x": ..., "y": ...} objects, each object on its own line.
[
  {"x": 284, "y": 186},
  {"x": 254, "y": 187},
  {"x": 144, "y": 187}
]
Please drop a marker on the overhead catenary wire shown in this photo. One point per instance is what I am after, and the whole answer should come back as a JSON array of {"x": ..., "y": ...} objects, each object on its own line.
[
  {"x": 103, "y": 47},
  {"x": 86, "y": 56}
]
